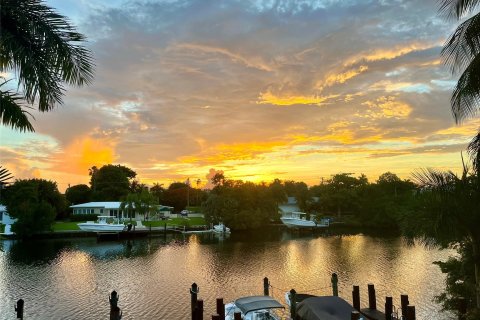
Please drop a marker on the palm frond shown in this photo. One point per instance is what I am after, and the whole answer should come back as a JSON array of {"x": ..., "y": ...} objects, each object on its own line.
[
  {"x": 473, "y": 150},
  {"x": 11, "y": 112},
  {"x": 463, "y": 45},
  {"x": 465, "y": 99},
  {"x": 41, "y": 46},
  {"x": 456, "y": 9},
  {"x": 5, "y": 175}
]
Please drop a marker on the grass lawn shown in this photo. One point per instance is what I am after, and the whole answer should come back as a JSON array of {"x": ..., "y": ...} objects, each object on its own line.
[{"x": 68, "y": 226}]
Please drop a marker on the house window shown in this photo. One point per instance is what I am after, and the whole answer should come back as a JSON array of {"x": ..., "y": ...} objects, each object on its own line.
[
  {"x": 91, "y": 211},
  {"x": 1, "y": 215},
  {"x": 101, "y": 211}
]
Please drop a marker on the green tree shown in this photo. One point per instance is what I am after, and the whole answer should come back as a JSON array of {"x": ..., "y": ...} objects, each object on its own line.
[
  {"x": 80, "y": 193},
  {"x": 461, "y": 53},
  {"x": 111, "y": 182},
  {"x": 448, "y": 214},
  {"x": 43, "y": 50},
  {"x": 176, "y": 195},
  {"x": 158, "y": 191},
  {"x": 128, "y": 205},
  {"x": 146, "y": 203},
  {"x": 34, "y": 203}
]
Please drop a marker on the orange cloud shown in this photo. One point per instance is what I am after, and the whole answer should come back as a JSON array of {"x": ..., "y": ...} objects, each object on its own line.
[
  {"x": 269, "y": 98},
  {"x": 386, "y": 107},
  {"x": 343, "y": 77},
  {"x": 84, "y": 153}
]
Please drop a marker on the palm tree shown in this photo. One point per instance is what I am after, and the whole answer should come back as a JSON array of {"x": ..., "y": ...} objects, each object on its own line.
[
  {"x": 128, "y": 205},
  {"x": 448, "y": 213},
  {"x": 461, "y": 53},
  {"x": 41, "y": 48}
]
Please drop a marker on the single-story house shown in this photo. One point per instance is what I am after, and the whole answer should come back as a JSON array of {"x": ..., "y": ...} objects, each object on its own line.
[
  {"x": 112, "y": 208},
  {"x": 4, "y": 217}
]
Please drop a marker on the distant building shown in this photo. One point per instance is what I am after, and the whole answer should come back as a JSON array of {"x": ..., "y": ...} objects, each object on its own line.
[
  {"x": 4, "y": 217},
  {"x": 112, "y": 208}
]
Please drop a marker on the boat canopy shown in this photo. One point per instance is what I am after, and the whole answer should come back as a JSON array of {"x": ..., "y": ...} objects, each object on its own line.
[
  {"x": 324, "y": 308},
  {"x": 254, "y": 303}
]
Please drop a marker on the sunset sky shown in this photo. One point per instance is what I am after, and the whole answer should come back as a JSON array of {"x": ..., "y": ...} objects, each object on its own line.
[{"x": 282, "y": 89}]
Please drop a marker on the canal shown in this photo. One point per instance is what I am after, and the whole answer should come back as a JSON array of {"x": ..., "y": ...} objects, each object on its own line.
[{"x": 72, "y": 278}]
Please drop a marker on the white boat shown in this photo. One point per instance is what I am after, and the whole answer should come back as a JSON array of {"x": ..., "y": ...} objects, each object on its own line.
[
  {"x": 299, "y": 220},
  {"x": 102, "y": 225},
  {"x": 221, "y": 228},
  {"x": 254, "y": 308}
]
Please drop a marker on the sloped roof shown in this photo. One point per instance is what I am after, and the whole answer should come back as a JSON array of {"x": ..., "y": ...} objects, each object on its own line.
[{"x": 105, "y": 205}]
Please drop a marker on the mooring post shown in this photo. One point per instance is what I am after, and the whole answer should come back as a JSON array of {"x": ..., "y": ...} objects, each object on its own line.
[
  {"x": 115, "y": 313},
  {"x": 356, "y": 297},
  {"x": 19, "y": 308},
  {"x": 193, "y": 298},
  {"x": 388, "y": 308},
  {"x": 404, "y": 303},
  {"x": 165, "y": 228},
  {"x": 113, "y": 299},
  {"x": 199, "y": 310},
  {"x": 335, "y": 284},
  {"x": 372, "y": 298},
  {"x": 220, "y": 309},
  {"x": 293, "y": 303},
  {"x": 237, "y": 316},
  {"x": 355, "y": 315},
  {"x": 266, "y": 287},
  {"x": 462, "y": 308},
  {"x": 411, "y": 313}
]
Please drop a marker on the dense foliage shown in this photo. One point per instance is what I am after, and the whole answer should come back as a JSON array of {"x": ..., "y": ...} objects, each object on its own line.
[
  {"x": 35, "y": 203},
  {"x": 111, "y": 182},
  {"x": 80, "y": 193}
]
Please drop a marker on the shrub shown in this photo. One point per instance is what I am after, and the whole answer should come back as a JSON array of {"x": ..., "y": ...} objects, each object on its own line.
[{"x": 83, "y": 217}]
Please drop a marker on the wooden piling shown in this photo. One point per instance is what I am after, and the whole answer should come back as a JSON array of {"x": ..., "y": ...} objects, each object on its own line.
[
  {"x": 404, "y": 303},
  {"x": 115, "y": 313},
  {"x": 220, "y": 309},
  {"x": 193, "y": 298},
  {"x": 355, "y": 315},
  {"x": 372, "y": 299},
  {"x": 462, "y": 308},
  {"x": 334, "y": 284},
  {"x": 411, "y": 313},
  {"x": 199, "y": 310},
  {"x": 237, "y": 316},
  {"x": 293, "y": 303},
  {"x": 356, "y": 297},
  {"x": 19, "y": 308},
  {"x": 266, "y": 287},
  {"x": 388, "y": 308}
]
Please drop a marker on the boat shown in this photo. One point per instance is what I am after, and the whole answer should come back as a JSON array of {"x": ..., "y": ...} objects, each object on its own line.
[
  {"x": 299, "y": 220},
  {"x": 254, "y": 308},
  {"x": 102, "y": 225},
  {"x": 323, "y": 308},
  {"x": 220, "y": 228}
]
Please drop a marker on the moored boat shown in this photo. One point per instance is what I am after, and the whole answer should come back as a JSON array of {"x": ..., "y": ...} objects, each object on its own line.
[
  {"x": 102, "y": 225},
  {"x": 299, "y": 220},
  {"x": 221, "y": 228},
  {"x": 254, "y": 308}
]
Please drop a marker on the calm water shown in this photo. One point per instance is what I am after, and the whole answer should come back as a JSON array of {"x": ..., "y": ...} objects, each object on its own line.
[{"x": 71, "y": 279}]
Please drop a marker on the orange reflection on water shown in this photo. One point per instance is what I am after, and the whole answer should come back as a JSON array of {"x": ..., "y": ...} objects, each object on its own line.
[{"x": 74, "y": 273}]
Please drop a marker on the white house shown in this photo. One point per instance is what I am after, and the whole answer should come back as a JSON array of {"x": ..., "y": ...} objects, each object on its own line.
[
  {"x": 4, "y": 217},
  {"x": 112, "y": 208}
]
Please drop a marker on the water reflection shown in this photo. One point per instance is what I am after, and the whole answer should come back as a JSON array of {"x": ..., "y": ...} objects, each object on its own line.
[{"x": 72, "y": 278}]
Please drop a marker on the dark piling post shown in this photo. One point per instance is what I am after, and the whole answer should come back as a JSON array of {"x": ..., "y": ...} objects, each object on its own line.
[
  {"x": 237, "y": 316},
  {"x": 355, "y": 315},
  {"x": 199, "y": 310},
  {"x": 220, "y": 309},
  {"x": 215, "y": 317},
  {"x": 293, "y": 303},
  {"x": 356, "y": 297},
  {"x": 19, "y": 308},
  {"x": 193, "y": 298},
  {"x": 334, "y": 284},
  {"x": 266, "y": 287},
  {"x": 462, "y": 308},
  {"x": 115, "y": 312},
  {"x": 165, "y": 228},
  {"x": 411, "y": 313},
  {"x": 388, "y": 308},
  {"x": 372, "y": 299},
  {"x": 404, "y": 303}
]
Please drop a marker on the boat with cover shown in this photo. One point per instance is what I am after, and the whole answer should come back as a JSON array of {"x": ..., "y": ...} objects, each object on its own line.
[
  {"x": 254, "y": 308},
  {"x": 321, "y": 308},
  {"x": 299, "y": 220},
  {"x": 221, "y": 228},
  {"x": 102, "y": 225}
]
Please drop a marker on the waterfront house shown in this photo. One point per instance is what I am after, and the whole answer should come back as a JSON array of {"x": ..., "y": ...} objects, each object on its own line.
[
  {"x": 4, "y": 217},
  {"x": 113, "y": 208}
]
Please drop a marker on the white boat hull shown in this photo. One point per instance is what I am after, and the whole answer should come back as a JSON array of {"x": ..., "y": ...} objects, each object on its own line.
[
  {"x": 98, "y": 227},
  {"x": 300, "y": 223}
]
